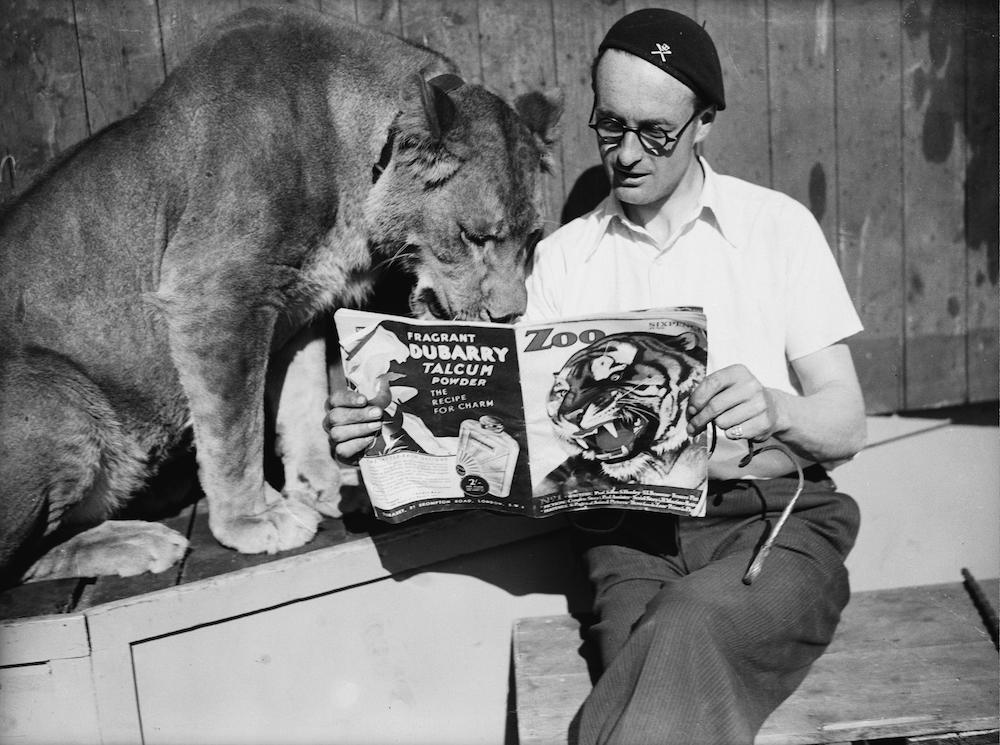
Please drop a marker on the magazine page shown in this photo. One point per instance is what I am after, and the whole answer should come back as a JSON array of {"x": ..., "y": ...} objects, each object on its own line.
[
  {"x": 452, "y": 435},
  {"x": 605, "y": 400}
]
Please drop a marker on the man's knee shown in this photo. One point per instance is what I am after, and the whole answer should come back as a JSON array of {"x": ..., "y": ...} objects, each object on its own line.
[{"x": 686, "y": 612}]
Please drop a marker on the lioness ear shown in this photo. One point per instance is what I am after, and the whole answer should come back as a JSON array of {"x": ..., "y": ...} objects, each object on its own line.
[
  {"x": 430, "y": 102},
  {"x": 428, "y": 115},
  {"x": 438, "y": 107},
  {"x": 541, "y": 112}
]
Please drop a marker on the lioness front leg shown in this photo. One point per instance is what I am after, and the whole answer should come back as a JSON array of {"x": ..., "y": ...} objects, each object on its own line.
[
  {"x": 221, "y": 358},
  {"x": 299, "y": 383}
]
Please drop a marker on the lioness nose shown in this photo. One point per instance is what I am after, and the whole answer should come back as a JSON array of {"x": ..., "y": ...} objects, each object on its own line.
[
  {"x": 504, "y": 297},
  {"x": 486, "y": 315}
]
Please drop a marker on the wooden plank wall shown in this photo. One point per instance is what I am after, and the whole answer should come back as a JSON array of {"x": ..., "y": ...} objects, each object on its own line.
[{"x": 880, "y": 115}]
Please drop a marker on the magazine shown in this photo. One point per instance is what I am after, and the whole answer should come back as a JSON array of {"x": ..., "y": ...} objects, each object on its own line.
[{"x": 531, "y": 419}]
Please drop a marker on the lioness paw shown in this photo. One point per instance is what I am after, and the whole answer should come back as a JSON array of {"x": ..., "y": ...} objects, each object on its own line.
[
  {"x": 317, "y": 485},
  {"x": 283, "y": 525},
  {"x": 122, "y": 547}
]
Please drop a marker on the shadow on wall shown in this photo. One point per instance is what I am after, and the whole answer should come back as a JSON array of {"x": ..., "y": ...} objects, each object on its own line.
[
  {"x": 951, "y": 42},
  {"x": 589, "y": 191}
]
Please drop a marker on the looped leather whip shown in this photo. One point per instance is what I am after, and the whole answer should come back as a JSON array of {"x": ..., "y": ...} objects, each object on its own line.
[{"x": 758, "y": 561}]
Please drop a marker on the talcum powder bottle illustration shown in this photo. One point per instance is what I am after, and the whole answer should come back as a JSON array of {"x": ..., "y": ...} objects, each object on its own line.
[{"x": 486, "y": 457}]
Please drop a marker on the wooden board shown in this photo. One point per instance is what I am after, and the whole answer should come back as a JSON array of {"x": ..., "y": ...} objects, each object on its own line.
[
  {"x": 41, "y": 92},
  {"x": 449, "y": 26},
  {"x": 120, "y": 56},
  {"x": 934, "y": 202},
  {"x": 739, "y": 142},
  {"x": 982, "y": 234},
  {"x": 515, "y": 46},
  {"x": 551, "y": 678},
  {"x": 908, "y": 661},
  {"x": 869, "y": 186},
  {"x": 800, "y": 68},
  {"x": 578, "y": 27}
]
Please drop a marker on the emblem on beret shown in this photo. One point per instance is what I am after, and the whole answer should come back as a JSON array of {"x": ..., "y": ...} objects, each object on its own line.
[{"x": 663, "y": 50}]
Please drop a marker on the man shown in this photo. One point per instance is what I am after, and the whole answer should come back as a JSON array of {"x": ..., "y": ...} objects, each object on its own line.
[{"x": 691, "y": 653}]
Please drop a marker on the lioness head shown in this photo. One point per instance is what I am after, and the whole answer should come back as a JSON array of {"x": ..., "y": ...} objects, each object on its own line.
[{"x": 460, "y": 200}]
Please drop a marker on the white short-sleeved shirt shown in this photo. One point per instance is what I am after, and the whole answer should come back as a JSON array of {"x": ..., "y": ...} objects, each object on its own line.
[{"x": 755, "y": 259}]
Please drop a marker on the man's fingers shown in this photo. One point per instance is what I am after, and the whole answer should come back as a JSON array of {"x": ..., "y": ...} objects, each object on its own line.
[
  {"x": 349, "y": 452},
  {"x": 731, "y": 397},
  {"x": 345, "y": 397},
  {"x": 728, "y": 407},
  {"x": 340, "y": 416}
]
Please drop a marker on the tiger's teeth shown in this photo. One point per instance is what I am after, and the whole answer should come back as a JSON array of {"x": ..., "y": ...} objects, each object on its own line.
[
  {"x": 612, "y": 430},
  {"x": 581, "y": 442}
]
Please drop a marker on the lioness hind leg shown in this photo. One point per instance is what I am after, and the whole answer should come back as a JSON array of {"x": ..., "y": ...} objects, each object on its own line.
[
  {"x": 122, "y": 547},
  {"x": 65, "y": 459}
]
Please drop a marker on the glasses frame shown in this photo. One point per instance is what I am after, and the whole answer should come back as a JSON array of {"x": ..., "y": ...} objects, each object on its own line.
[{"x": 657, "y": 151}]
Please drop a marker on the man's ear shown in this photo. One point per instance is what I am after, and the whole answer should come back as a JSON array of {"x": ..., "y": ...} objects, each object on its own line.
[{"x": 705, "y": 122}]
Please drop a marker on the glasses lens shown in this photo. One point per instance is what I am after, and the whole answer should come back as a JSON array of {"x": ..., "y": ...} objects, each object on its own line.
[
  {"x": 610, "y": 129},
  {"x": 654, "y": 138}
]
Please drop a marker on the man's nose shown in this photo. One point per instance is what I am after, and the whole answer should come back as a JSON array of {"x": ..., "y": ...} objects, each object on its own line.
[{"x": 630, "y": 150}]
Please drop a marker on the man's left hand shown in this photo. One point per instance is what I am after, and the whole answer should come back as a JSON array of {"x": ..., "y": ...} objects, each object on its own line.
[{"x": 737, "y": 402}]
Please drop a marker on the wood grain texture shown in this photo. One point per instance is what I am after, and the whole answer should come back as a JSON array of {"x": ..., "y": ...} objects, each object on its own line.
[
  {"x": 933, "y": 173},
  {"x": 739, "y": 144},
  {"x": 869, "y": 180},
  {"x": 41, "y": 90},
  {"x": 120, "y": 56},
  {"x": 982, "y": 204},
  {"x": 801, "y": 92}
]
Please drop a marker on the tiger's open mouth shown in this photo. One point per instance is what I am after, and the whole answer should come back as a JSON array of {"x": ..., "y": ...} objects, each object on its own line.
[{"x": 615, "y": 439}]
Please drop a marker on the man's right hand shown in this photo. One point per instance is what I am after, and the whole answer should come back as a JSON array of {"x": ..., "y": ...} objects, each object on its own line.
[{"x": 351, "y": 422}]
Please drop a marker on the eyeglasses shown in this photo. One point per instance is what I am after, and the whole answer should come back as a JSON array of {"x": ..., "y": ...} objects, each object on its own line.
[{"x": 654, "y": 140}]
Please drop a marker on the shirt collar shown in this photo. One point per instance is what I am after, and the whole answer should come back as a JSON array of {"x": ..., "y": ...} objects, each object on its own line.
[
  {"x": 723, "y": 218},
  {"x": 712, "y": 209}
]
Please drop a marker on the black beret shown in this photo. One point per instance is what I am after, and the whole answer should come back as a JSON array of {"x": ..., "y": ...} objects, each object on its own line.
[{"x": 674, "y": 43}]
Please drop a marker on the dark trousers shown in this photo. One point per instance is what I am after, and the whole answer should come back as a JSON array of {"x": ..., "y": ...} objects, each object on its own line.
[{"x": 692, "y": 655}]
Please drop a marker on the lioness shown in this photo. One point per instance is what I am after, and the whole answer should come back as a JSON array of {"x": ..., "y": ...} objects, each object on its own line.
[{"x": 149, "y": 277}]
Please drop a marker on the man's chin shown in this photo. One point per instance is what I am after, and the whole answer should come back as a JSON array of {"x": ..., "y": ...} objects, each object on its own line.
[{"x": 630, "y": 194}]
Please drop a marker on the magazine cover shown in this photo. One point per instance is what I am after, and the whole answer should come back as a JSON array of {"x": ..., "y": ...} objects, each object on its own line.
[
  {"x": 605, "y": 400},
  {"x": 452, "y": 434},
  {"x": 532, "y": 419}
]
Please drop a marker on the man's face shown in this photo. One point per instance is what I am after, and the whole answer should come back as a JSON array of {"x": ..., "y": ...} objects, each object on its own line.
[{"x": 637, "y": 93}]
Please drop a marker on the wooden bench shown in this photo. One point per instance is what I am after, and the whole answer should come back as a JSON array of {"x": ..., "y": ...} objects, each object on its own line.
[{"x": 906, "y": 664}]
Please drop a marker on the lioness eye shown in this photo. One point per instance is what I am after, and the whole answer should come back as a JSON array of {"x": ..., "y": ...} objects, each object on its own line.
[{"x": 475, "y": 239}]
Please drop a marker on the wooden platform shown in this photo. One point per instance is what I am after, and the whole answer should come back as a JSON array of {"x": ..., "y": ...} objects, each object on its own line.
[
  {"x": 227, "y": 648},
  {"x": 905, "y": 663}
]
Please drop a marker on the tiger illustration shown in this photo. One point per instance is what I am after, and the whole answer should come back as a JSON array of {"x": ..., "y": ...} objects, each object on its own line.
[{"x": 621, "y": 403}]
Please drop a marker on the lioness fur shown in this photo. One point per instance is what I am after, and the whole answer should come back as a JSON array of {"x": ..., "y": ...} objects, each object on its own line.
[{"x": 148, "y": 278}]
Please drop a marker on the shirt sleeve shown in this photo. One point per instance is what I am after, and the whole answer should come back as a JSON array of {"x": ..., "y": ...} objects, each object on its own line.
[{"x": 819, "y": 309}]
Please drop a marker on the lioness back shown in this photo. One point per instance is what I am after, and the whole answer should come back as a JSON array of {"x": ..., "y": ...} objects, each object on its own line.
[{"x": 271, "y": 125}]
